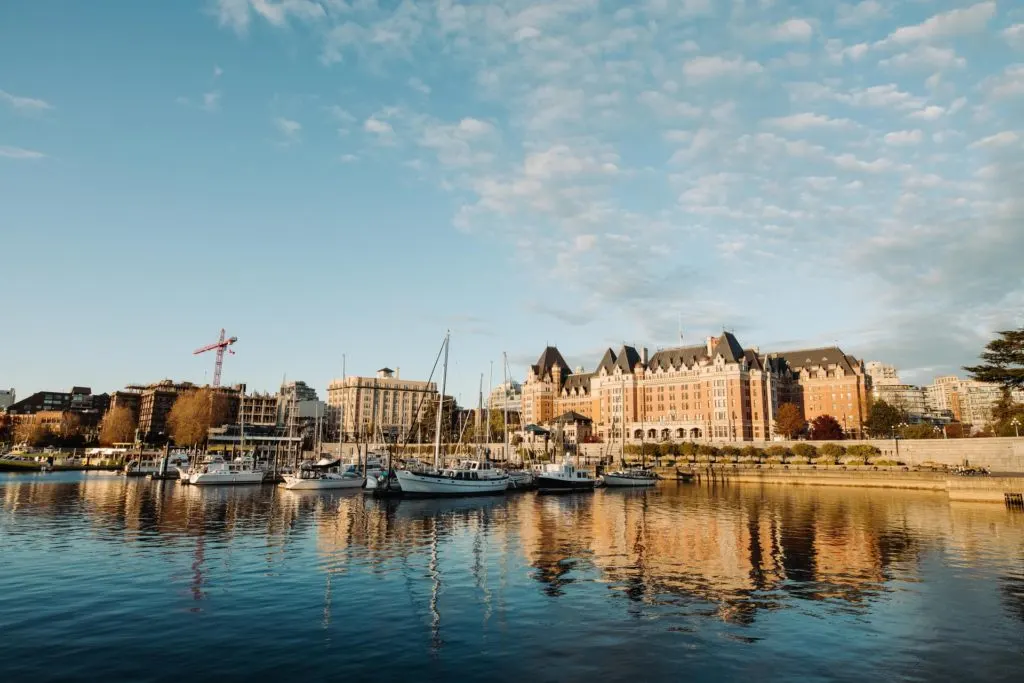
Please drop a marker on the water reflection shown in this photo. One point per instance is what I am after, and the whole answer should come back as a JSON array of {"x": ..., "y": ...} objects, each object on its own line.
[{"x": 444, "y": 573}]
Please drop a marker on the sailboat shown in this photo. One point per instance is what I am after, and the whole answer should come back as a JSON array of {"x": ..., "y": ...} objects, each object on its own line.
[
  {"x": 324, "y": 474},
  {"x": 564, "y": 476},
  {"x": 633, "y": 476},
  {"x": 468, "y": 478}
]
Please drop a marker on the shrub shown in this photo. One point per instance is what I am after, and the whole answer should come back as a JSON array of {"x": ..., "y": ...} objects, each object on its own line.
[
  {"x": 805, "y": 450},
  {"x": 777, "y": 453},
  {"x": 751, "y": 452},
  {"x": 887, "y": 463},
  {"x": 832, "y": 451},
  {"x": 853, "y": 460},
  {"x": 731, "y": 452},
  {"x": 687, "y": 449},
  {"x": 800, "y": 459},
  {"x": 774, "y": 461},
  {"x": 706, "y": 450}
]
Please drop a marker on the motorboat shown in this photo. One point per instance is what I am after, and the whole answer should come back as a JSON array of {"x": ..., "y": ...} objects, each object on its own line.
[
  {"x": 563, "y": 477},
  {"x": 637, "y": 476},
  {"x": 147, "y": 466},
  {"x": 226, "y": 472},
  {"x": 468, "y": 478},
  {"x": 519, "y": 480},
  {"x": 325, "y": 474}
]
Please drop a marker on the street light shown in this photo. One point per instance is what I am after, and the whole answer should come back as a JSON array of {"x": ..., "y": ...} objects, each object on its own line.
[{"x": 1016, "y": 425}]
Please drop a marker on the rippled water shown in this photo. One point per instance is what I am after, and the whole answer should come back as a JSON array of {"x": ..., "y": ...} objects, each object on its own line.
[{"x": 107, "y": 578}]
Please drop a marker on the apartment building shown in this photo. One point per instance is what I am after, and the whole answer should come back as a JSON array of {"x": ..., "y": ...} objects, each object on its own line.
[{"x": 385, "y": 404}]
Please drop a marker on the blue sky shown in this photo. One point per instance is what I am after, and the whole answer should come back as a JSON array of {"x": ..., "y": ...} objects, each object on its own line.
[{"x": 326, "y": 177}]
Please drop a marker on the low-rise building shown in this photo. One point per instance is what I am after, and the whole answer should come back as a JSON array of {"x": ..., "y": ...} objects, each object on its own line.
[
  {"x": 89, "y": 407},
  {"x": 7, "y": 398}
]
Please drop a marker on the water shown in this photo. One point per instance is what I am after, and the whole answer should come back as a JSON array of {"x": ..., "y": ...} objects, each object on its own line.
[{"x": 107, "y": 578}]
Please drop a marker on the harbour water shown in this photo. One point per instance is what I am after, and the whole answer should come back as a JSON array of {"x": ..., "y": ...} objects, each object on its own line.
[{"x": 103, "y": 578}]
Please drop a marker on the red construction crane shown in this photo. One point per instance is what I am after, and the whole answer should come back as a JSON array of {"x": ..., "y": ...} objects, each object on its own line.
[{"x": 221, "y": 345}]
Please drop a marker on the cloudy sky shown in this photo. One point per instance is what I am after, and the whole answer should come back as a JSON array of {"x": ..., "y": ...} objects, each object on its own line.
[{"x": 329, "y": 177}]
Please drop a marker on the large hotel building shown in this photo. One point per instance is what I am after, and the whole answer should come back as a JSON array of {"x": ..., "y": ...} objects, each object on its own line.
[
  {"x": 385, "y": 404},
  {"x": 715, "y": 391}
]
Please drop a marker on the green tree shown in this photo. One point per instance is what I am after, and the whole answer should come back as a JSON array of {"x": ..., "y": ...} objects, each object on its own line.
[
  {"x": 882, "y": 418},
  {"x": 789, "y": 420},
  {"x": 920, "y": 431},
  {"x": 1002, "y": 360},
  {"x": 826, "y": 428},
  {"x": 752, "y": 453},
  {"x": 805, "y": 450},
  {"x": 780, "y": 453},
  {"x": 832, "y": 452}
]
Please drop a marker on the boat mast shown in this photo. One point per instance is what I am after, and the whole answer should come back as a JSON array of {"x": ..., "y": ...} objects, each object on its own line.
[
  {"x": 480, "y": 416},
  {"x": 341, "y": 410},
  {"x": 241, "y": 421},
  {"x": 440, "y": 402},
  {"x": 504, "y": 405}
]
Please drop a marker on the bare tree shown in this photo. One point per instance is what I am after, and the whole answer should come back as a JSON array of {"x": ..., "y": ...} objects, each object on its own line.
[{"x": 118, "y": 426}]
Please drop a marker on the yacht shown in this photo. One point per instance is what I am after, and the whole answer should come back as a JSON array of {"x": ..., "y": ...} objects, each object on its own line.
[
  {"x": 637, "y": 476},
  {"x": 325, "y": 474},
  {"x": 563, "y": 477},
  {"x": 468, "y": 478},
  {"x": 519, "y": 480},
  {"x": 223, "y": 472}
]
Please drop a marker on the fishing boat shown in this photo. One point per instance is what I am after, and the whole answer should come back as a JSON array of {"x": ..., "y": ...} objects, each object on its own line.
[
  {"x": 637, "y": 476},
  {"x": 223, "y": 472},
  {"x": 325, "y": 474},
  {"x": 564, "y": 477}
]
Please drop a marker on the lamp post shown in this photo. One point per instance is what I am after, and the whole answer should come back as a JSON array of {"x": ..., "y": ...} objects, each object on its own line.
[
  {"x": 896, "y": 436},
  {"x": 1016, "y": 426}
]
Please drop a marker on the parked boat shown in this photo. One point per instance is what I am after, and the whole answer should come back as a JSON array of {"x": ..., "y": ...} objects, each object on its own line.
[
  {"x": 469, "y": 478},
  {"x": 564, "y": 477},
  {"x": 520, "y": 480},
  {"x": 325, "y": 474},
  {"x": 147, "y": 466},
  {"x": 222, "y": 472},
  {"x": 637, "y": 476}
]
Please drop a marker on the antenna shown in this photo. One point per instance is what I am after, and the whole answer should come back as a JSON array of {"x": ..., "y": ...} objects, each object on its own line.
[{"x": 680, "y": 328}]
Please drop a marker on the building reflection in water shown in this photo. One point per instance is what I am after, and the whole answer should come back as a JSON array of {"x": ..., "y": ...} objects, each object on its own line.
[{"x": 728, "y": 553}]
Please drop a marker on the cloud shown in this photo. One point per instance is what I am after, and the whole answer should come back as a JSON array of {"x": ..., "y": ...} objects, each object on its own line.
[
  {"x": 217, "y": 71},
  {"x": 792, "y": 31},
  {"x": 1014, "y": 35},
  {"x": 237, "y": 14},
  {"x": 904, "y": 138},
  {"x": 24, "y": 105},
  {"x": 348, "y": 158},
  {"x": 859, "y": 14},
  {"x": 1003, "y": 139},
  {"x": 703, "y": 69},
  {"x": 929, "y": 113},
  {"x": 19, "y": 153},
  {"x": 849, "y": 162},
  {"x": 807, "y": 121},
  {"x": 289, "y": 129},
  {"x": 419, "y": 86},
  {"x": 1008, "y": 84},
  {"x": 956, "y": 22},
  {"x": 925, "y": 57},
  {"x": 211, "y": 101}
]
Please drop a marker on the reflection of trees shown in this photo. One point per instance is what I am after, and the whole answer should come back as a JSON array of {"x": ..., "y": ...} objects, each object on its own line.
[{"x": 556, "y": 537}]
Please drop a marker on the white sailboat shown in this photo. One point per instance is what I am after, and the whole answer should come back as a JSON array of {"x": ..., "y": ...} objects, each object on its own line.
[
  {"x": 632, "y": 476},
  {"x": 469, "y": 478},
  {"x": 325, "y": 474}
]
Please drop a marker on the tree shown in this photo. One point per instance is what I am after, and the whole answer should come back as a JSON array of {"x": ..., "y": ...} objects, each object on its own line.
[
  {"x": 1002, "y": 360},
  {"x": 193, "y": 413},
  {"x": 32, "y": 432},
  {"x": 789, "y": 420},
  {"x": 920, "y": 431},
  {"x": 118, "y": 426},
  {"x": 779, "y": 453},
  {"x": 6, "y": 427},
  {"x": 805, "y": 450},
  {"x": 957, "y": 430},
  {"x": 883, "y": 418},
  {"x": 826, "y": 428},
  {"x": 832, "y": 452}
]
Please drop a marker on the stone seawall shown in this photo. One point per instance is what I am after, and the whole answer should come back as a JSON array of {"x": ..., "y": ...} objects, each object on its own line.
[{"x": 881, "y": 479}]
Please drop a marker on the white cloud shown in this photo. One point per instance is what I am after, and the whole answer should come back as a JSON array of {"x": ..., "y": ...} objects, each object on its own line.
[
  {"x": 849, "y": 162},
  {"x": 341, "y": 114},
  {"x": 1014, "y": 35},
  {"x": 348, "y": 158},
  {"x": 808, "y": 120},
  {"x": 211, "y": 101},
  {"x": 929, "y": 113},
  {"x": 925, "y": 57},
  {"x": 792, "y": 31},
  {"x": 879, "y": 96},
  {"x": 561, "y": 161},
  {"x": 903, "y": 138},
  {"x": 956, "y": 22},
  {"x": 217, "y": 71},
  {"x": 19, "y": 153},
  {"x": 378, "y": 127},
  {"x": 859, "y": 14},
  {"x": 237, "y": 14},
  {"x": 1003, "y": 139},
  {"x": 1009, "y": 84},
  {"x": 24, "y": 104},
  {"x": 701, "y": 69},
  {"x": 419, "y": 86},
  {"x": 693, "y": 8},
  {"x": 288, "y": 128}
]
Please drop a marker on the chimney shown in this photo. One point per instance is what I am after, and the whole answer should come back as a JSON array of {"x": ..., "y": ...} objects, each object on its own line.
[
  {"x": 398, "y": 372},
  {"x": 711, "y": 345},
  {"x": 643, "y": 356}
]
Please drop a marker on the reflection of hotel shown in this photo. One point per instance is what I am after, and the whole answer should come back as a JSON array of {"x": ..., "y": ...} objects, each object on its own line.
[{"x": 717, "y": 390}]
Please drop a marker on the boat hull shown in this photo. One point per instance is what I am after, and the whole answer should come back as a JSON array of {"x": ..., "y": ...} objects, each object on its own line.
[
  {"x": 298, "y": 484},
  {"x": 547, "y": 484},
  {"x": 427, "y": 485},
  {"x": 225, "y": 479},
  {"x": 626, "y": 480}
]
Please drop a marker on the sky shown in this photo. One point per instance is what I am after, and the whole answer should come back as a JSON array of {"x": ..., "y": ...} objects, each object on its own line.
[{"x": 339, "y": 182}]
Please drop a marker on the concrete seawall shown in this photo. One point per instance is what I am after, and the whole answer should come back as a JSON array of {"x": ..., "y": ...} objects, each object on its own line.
[{"x": 1005, "y": 490}]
